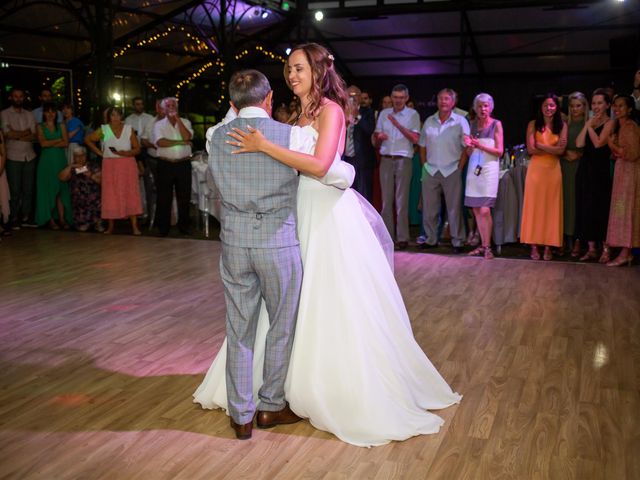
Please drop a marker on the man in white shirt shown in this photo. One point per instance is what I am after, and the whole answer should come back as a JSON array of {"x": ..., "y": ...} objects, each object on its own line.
[
  {"x": 141, "y": 122},
  {"x": 173, "y": 136},
  {"x": 19, "y": 127},
  {"x": 397, "y": 130},
  {"x": 232, "y": 113},
  {"x": 441, "y": 146},
  {"x": 138, "y": 119}
]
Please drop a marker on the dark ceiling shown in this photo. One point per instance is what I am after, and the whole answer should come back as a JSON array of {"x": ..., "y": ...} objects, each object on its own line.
[{"x": 370, "y": 38}]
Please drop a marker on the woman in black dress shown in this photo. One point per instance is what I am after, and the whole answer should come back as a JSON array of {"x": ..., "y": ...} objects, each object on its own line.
[{"x": 593, "y": 179}]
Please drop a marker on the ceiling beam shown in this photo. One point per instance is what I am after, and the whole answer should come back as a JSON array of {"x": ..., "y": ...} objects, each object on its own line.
[
  {"x": 472, "y": 42},
  {"x": 483, "y": 33},
  {"x": 421, "y": 58},
  {"x": 43, "y": 33},
  {"x": 122, "y": 9},
  {"x": 180, "y": 53},
  {"x": 383, "y": 9},
  {"x": 123, "y": 39}
]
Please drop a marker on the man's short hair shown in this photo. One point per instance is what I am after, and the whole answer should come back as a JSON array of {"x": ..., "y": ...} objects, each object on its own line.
[
  {"x": 248, "y": 88},
  {"x": 401, "y": 87},
  {"x": 451, "y": 92},
  {"x": 16, "y": 89},
  {"x": 135, "y": 99},
  {"x": 79, "y": 150}
]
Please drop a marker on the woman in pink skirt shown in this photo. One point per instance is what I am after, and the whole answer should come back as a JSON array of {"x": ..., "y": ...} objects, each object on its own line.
[
  {"x": 624, "y": 215},
  {"x": 120, "y": 187}
]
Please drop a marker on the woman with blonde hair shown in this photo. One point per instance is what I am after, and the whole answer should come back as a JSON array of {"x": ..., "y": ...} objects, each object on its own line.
[
  {"x": 569, "y": 163},
  {"x": 485, "y": 146},
  {"x": 356, "y": 370}
]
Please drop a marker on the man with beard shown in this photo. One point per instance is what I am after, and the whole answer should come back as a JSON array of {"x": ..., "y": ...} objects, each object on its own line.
[
  {"x": 19, "y": 127},
  {"x": 46, "y": 96}
]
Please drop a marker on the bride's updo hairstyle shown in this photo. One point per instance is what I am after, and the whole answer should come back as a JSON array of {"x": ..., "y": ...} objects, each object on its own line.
[{"x": 326, "y": 81}]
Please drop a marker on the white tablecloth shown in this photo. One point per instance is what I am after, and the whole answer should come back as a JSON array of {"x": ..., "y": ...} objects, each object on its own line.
[{"x": 203, "y": 190}]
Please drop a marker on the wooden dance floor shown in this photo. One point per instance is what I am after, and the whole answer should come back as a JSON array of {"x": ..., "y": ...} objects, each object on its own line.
[{"x": 103, "y": 339}]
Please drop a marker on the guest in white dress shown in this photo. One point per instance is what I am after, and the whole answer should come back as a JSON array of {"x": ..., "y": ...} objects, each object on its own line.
[
  {"x": 485, "y": 146},
  {"x": 356, "y": 370}
]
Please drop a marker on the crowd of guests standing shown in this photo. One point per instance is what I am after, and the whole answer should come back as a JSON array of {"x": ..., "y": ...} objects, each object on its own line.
[
  {"x": 47, "y": 177},
  {"x": 581, "y": 196},
  {"x": 582, "y": 188}
]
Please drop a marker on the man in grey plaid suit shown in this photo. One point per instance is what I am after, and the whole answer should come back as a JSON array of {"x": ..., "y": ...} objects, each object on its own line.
[{"x": 260, "y": 256}]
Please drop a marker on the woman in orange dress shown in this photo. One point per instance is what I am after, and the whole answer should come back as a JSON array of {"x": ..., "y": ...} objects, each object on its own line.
[
  {"x": 624, "y": 215},
  {"x": 542, "y": 209}
]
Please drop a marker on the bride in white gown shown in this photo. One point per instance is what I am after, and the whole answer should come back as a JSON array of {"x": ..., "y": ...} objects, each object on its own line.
[{"x": 356, "y": 370}]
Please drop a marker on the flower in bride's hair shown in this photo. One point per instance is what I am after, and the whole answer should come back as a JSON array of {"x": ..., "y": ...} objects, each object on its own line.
[{"x": 331, "y": 57}]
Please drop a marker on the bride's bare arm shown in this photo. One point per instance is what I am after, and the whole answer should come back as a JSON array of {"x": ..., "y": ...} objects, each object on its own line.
[{"x": 330, "y": 132}]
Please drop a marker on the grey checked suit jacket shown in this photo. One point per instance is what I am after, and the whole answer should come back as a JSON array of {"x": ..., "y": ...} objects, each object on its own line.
[{"x": 258, "y": 193}]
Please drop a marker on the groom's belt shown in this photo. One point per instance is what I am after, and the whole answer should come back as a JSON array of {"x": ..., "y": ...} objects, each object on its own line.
[{"x": 394, "y": 157}]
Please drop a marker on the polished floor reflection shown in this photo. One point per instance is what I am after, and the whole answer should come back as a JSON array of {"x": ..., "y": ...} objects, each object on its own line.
[{"x": 103, "y": 339}]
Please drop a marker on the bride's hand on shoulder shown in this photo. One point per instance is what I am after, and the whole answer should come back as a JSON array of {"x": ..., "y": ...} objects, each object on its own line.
[{"x": 250, "y": 141}]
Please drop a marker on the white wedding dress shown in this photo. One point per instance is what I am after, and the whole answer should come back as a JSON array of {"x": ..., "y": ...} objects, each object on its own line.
[{"x": 356, "y": 370}]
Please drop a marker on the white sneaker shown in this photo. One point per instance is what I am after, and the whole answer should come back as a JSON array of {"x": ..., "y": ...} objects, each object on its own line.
[{"x": 421, "y": 240}]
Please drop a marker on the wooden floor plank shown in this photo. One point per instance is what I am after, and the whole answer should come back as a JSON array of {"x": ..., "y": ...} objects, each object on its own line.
[{"x": 103, "y": 340}]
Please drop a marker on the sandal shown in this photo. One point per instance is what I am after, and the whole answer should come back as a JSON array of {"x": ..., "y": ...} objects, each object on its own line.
[
  {"x": 590, "y": 255},
  {"x": 488, "y": 253},
  {"x": 618, "y": 262},
  {"x": 606, "y": 255},
  {"x": 547, "y": 254},
  {"x": 575, "y": 252},
  {"x": 535, "y": 254},
  {"x": 475, "y": 239},
  {"x": 475, "y": 252}
]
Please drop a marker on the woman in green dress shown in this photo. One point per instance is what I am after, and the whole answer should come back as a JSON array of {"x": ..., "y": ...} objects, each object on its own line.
[
  {"x": 53, "y": 201},
  {"x": 569, "y": 162}
]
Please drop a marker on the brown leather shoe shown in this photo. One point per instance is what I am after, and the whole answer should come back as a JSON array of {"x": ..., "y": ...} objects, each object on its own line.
[
  {"x": 271, "y": 419},
  {"x": 243, "y": 432},
  {"x": 402, "y": 245}
]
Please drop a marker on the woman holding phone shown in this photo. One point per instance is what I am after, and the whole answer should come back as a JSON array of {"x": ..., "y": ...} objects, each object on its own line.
[{"x": 120, "y": 186}]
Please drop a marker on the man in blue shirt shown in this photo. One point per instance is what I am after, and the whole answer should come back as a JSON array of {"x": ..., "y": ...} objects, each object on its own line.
[
  {"x": 45, "y": 97},
  {"x": 75, "y": 129}
]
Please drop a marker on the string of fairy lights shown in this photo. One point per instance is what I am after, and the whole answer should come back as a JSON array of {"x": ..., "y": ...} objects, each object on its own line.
[
  {"x": 79, "y": 98},
  {"x": 199, "y": 46},
  {"x": 218, "y": 63},
  {"x": 152, "y": 87},
  {"x": 264, "y": 51}
]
